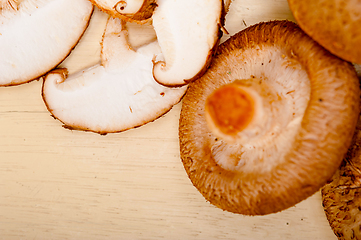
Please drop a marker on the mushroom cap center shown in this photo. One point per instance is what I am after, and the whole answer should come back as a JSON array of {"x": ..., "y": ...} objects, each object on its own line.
[{"x": 230, "y": 108}]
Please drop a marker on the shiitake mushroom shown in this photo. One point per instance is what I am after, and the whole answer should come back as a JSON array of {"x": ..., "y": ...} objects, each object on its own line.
[
  {"x": 300, "y": 108},
  {"x": 334, "y": 24}
]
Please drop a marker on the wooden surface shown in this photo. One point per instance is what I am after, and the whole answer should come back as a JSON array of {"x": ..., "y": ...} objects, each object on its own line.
[{"x": 62, "y": 184}]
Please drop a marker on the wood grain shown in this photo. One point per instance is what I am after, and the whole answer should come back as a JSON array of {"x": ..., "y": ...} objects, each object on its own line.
[{"x": 62, "y": 184}]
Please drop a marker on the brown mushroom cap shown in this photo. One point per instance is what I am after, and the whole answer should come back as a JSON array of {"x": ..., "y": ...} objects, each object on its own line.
[
  {"x": 316, "y": 125},
  {"x": 335, "y": 24},
  {"x": 342, "y": 196}
]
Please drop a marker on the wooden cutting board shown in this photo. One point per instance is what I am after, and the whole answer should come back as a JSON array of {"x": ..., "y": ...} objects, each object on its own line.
[{"x": 62, "y": 184}]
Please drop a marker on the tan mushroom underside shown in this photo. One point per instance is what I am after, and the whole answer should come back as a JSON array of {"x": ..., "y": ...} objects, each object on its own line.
[
  {"x": 342, "y": 196},
  {"x": 335, "y": 24},
  {"x": 266, "y": 185}
]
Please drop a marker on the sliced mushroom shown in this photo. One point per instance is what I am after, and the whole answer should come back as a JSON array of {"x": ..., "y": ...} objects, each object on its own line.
[
  {"x": 36, "y": 35},
  {"x": 342, "y": 196},
  {"x": 116, "y": 95},
  {"x": 335, "y": 24},
  {"x": 270, "y": 121},
  {"x": 139, "y": 11},
  {"x": 188, "y": 32}
]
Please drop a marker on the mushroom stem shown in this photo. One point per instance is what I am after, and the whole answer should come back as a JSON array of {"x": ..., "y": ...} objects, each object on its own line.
[{"x": 241, "y": 111}]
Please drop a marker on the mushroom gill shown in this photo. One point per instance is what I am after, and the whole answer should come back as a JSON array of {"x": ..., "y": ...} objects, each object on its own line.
[
  {"x": 300, "y": 110},
  {"x": 9, "y": 5}
]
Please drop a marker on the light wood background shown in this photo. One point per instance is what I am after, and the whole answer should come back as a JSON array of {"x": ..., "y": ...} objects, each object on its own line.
[{"x": 62, "y": 184}]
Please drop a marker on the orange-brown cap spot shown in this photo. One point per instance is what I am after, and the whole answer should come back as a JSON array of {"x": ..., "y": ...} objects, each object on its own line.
[{"x": 230, "y": 108}]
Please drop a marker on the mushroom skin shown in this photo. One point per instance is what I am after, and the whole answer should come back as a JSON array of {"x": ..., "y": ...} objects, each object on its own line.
[
  {"x": 334, "y": 24},
  {"x": 30, "y": 45},
  {"x": 116, "y": 95},
  {"x": 188, "y": 32},
  {"x": 304, "y": 143},
  {"x": 341, "y": 197},
  {"x": 138, "y": 11}
]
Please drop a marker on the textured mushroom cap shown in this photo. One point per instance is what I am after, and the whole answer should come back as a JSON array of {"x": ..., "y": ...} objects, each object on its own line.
[
  {"x": 139, "y": 11},
  {"x": 38, "y": 36},
  {"x": 188, "y": 32},
  {"x": 335, "y": 24},
  {"x": 342, "y": 196},
  {"x": 320, "y": 101},
  {"x": 116, "y": 95}
]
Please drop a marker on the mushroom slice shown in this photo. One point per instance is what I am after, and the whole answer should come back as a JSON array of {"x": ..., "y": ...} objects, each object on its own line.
[
  {"x": 342, "y": 195},
  {"x": 188, "y": 32},
  {"x": 226, "y": 4},
  {"x": 116, "y": 95},
  {"x": 139, "y": 11},
  {"x": 36, "y": 35},
  {"x": 269, "y": 122},
  {"x": 335, "y": 24}
]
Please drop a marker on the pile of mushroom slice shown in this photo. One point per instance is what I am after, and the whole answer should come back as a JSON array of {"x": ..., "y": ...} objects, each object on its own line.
[
  {"x": 188, "y": 33},
  {"x": 30, "y": 45},
  {"x": 132, "y": 87},
  {"x": 335, "y": 24},
  {"x": 118, "y": 94},
  {"x": 303, "y": 106}
]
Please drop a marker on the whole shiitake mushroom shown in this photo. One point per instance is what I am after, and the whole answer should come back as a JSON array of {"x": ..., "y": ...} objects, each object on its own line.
[
  {"x": 334, "y": 24},
  {"x": 270, "y": 121}
]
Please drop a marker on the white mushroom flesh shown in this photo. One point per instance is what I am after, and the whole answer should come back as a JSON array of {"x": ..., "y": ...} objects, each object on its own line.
[
  {"x": 116, "y": 95},
  {"x": 38, "y": 36},
  {"x": 285, "y": 93},
  {"x": 187, "y": 31}
]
